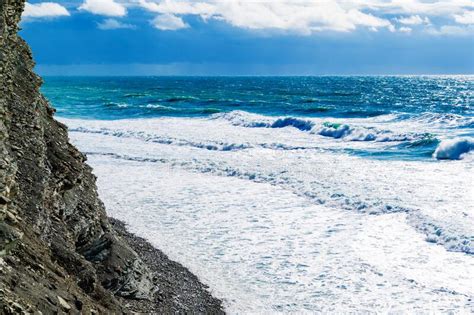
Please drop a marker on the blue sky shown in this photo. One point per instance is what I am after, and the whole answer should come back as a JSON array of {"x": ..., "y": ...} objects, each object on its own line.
[{"x": 258, "y": 37}]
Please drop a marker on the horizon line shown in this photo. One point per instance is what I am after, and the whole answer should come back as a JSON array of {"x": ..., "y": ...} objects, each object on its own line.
[{"x": 254, "y": 75}]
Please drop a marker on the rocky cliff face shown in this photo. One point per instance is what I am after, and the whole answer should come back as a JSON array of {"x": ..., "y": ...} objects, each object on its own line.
[{"x": 58, "y": 251}]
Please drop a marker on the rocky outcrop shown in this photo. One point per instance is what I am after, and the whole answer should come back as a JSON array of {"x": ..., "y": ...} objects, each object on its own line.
[{"x": 58, "y": 252}]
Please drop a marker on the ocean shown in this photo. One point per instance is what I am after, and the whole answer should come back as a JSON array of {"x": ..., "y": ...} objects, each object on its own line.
[{"x": 291, "y": 194}]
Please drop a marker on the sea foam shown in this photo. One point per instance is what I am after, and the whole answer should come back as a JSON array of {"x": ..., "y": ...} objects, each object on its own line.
[
  {"x": 336, "y": 130},
  {"x": 453, "y": 149}
]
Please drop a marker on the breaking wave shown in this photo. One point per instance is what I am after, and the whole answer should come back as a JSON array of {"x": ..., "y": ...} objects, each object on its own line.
[
  {"x": 212, "y": 146},
  {"x": 442, "y": 120},
  {"x": 453, "y": 149},
  {"x": 323, "y": 128}
]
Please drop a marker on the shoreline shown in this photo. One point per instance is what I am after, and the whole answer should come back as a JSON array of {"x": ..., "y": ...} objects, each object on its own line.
[{"x": 178, "y": 290}]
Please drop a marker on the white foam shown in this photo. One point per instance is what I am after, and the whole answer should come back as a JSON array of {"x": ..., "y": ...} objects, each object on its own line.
[
  {"x": 453, "y": 149},
  {"x": 201, "y": 197},
  {"x": 362, "y": 130},
  {"x": 264, "y": 249},
  {"x": 444, "y": 120},
  {"x": 158, "y": 106}
]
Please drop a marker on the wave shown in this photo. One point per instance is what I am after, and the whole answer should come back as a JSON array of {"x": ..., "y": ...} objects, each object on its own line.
[
  {"x": 155, "y": 107},
  {"x": 208, "y": 145},
  {"x": 444, "y": 120},
  {"x": 440, "y": 233},
  {"x": 429, "y": 141},
  {"x": 207, "y": 110},
  {"x": 177, "y": 99},
  {"x": 453, "y": 149},
  {"x": 453, "y": 238},
  {"x": 135, "y": 95},
  {"x": 363, "y": 113},
  {"x": 313, "y": 109},
  {"x": 339, "y": 131},
  {"x": 349, "y": 133},
  {"x": 244, "y": 119},
  {"x": 418, "y": 148},
  {"x": 158, "y": 106},
  {"x": 338, "y": 200},
  {"x": 320, "y": 189},
  {"x": 114, "y": 105},
  {"x": 301, "y": 124},
  {"x": 325, "y": 129},
  {"x": 212, "y": 146}
]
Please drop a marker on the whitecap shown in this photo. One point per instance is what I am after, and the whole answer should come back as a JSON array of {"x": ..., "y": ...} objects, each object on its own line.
[{"x": 453, "y": 149}]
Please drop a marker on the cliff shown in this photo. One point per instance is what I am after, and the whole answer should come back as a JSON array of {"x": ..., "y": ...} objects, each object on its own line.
[{"x": 58, "y": 250}]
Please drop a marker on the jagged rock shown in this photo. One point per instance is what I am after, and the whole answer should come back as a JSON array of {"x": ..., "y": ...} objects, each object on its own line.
[
  {"x": 48, "y": 195},
  {"x": 58, "y": 251},
  {"x": 64, "y": 304}
]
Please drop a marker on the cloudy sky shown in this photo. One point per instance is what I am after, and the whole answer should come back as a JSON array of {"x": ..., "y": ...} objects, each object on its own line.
[{"x": 243, "y": 37}]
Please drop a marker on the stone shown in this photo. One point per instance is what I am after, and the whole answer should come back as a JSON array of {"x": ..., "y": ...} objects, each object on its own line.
[
  {"x": 11, "y": 217},
  {"x": 58, "y": 249},
  {"x": 64, "y": 304},
  {"x": 49, "y": 194},
  {"x": 4, "y": 200}
]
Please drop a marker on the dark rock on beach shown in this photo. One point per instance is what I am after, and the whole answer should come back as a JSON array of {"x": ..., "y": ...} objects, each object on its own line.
[
  {"x": 59, "y": 253},
  {"x": 178, "y": 289}
]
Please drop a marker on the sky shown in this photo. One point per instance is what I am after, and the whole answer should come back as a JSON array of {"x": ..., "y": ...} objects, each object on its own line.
[{"x": 243, "y": 37}]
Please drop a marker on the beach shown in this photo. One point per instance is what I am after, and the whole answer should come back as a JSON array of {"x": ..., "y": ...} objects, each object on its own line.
[
  {"x": 178, "y": 290},
  {"x": 326, "y": 211}
]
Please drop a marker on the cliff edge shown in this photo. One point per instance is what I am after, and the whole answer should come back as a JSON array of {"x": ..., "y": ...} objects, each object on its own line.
[{"x": 58, "y": 250}]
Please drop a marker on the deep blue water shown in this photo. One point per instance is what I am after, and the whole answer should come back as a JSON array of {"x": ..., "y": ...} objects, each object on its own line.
[{"x": 135, "y": 97}]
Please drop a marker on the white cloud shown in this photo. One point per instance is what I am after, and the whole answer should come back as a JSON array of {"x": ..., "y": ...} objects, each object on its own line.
[
  {"x": 113, "y": 24},
  {"x": 104, "y": 7},
  {"x": 410, "y": 7},
  {"x": 405, "y": 29},
  {"x": 413, "y": 20},
  {"x": 466, "y": 18},
  {"x": 179, "y": 7},
  {"x": 44, "y": 10},
  {"x": 169, "y": 22},
  {"x": 297, "y": 16},
  {"x": 452, "y": 30},
  {"x": 288, "y": 16},
  {"x": 306, "y": 17}
]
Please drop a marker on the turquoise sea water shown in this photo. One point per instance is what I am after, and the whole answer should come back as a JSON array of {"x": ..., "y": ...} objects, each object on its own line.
[
  {"x": 444, "y": 105},
  {"x": 126, "y": 97}
]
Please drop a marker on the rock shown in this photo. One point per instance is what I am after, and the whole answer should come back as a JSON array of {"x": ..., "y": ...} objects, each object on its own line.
[
  {"x": 11, "y": 217},
  {"x": 56, "y": 243},
  {"x": 4, "y": 200},
  {"x": 48, "y": 194},
  {"x": 64, "y": 304}
]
